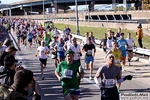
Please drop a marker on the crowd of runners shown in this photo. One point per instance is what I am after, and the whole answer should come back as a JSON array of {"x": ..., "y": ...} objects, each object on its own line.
[{"x": 66, "y": 51}]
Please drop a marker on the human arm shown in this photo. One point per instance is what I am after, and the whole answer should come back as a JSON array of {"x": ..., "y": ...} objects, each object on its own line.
[
  {"x": 97, "y": 76},
  {"x": 36, "y": 53},
  {"x": 109, "y": 52}
]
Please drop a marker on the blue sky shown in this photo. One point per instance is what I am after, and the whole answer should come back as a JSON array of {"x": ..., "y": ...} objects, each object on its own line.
[{"x": 9, "y": 1}]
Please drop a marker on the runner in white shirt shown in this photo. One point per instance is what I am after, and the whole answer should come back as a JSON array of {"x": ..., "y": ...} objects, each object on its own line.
[
  {"x": 77, "y": 53},
  {"x": 42, "y": 52},
  {"x": 131, "y": 44},
  {"x": 68, "y": 43},
  {"x": 85, "y": 40}
]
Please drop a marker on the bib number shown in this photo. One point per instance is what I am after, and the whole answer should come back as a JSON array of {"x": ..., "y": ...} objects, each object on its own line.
[
  {"x": 109, "y": 83},
  {"x": 89, "y": 52},
  {"x": 68, "y": 73}
]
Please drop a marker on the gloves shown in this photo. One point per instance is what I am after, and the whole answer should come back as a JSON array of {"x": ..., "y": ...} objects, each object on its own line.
[{"x": 128, "y": 77}]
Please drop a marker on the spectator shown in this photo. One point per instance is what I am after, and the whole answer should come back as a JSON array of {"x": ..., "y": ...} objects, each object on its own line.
[
  {"x": 23, "y": 81},
  {"x": 9, "y": 50},
  {"x": 139, "y": 34},
  {"x": 8, "y": 69}
]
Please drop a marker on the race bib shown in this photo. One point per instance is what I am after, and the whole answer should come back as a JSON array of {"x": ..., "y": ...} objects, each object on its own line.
[
  {"x": 77, "y": 54},
  {"x": 109, "y": 83},
  {"x": 89, "y": 52},
  {"x": 61, "y": 48},
  {"x": 117, "y": 62},
  {"x": 68, "y": 73}
]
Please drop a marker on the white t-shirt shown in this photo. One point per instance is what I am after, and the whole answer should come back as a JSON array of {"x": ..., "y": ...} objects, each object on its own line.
[
  {"x": 76, "y": 51},
  {"x": 130, "y": 43},
  {"x": 109, "y": 43},
  {"x": 85, "y": 40},
  {"x": 42, "y": 51},
  {"x": 69, "y": 43}
]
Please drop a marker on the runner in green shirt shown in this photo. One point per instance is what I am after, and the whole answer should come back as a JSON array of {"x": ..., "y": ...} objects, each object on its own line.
[
  {"x": 46, "y": 39},
  {"x": 69, "y": 70}
]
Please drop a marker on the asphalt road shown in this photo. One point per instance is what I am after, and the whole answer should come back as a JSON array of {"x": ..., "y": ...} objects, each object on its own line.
[{"x": 50, "y": 88}]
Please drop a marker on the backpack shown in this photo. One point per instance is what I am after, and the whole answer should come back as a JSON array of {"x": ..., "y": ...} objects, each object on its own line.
[{"x": 9, "y": 93}]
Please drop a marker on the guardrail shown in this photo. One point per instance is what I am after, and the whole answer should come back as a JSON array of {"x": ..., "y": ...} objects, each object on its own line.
[{"x": 112, "y": 21}]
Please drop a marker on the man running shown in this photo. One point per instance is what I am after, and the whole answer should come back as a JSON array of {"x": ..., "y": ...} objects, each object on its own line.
[
  {"x": 131, "y": 44},
  {"x": 122, "y": 44},
  {"x": 117, "y": 55},
  {"x": 53, "y": 52},
  {"x": 109, "y": 74},
  {"x": 77, "y": 53},
  {"x": 89, "y": 50},
  {"x": 69, "y": 70},
  {"x": 42, "y": 52}
]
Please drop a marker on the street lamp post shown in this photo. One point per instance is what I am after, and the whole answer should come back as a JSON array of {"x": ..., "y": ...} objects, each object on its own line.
[
  {"x": 77, "y": 21},
  {"x": 43, "y": 10}
]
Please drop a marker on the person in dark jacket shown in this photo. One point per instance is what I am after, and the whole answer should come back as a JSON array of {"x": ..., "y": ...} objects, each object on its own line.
[
  {"x": 9, "y": 50},
  {"x": 8, "y": 70}
]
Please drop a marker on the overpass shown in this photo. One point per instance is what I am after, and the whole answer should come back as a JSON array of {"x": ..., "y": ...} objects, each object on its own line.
[{"x": 26, "y": 6}]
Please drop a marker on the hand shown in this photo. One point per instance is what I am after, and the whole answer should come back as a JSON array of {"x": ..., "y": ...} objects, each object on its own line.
[
  {"x": 60, "y": 78},
  {"x": 18, "y": 68},
  {"x": 35, "y": 55}
]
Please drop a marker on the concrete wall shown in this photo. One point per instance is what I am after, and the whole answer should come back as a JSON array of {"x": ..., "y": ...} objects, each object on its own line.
[{"x": 129, "y": 26}]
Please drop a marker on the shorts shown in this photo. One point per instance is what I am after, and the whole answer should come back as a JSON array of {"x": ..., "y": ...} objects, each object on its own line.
[
  {"x": 129, "y": 51},
  {"x": 89, "y": 59},
  {"x": 43, "y": 61},
  {"x": 68, "y": 92},
  {"x": 29, "y": 40},
  {"x": 54, "y": 54},
  {"x": 60, "y": 54},
  {"x": 120, "y": 68}
]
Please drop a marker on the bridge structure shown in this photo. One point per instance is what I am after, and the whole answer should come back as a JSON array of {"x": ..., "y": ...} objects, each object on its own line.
[{"x": 25, "y": 7}]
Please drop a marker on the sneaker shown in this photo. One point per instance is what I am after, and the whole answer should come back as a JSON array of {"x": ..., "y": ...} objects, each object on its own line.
[
  {"x": 129, "y": 64},
  {"x": 90, "y": 77}
]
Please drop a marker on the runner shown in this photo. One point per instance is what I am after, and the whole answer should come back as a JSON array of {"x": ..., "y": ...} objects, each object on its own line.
[
  {"x": 53, "y": 52},
  {"x": 122, "y": 44},
  {"x": 42, "y": 52},
  {"x": 46, "y": 39},
  {"x": 117, "y": 55},
  {"x": 30, "y": 37},
  {"x": 68, "y": 43},
  {"x": 103, "y": 43},
  {"x": 59, "y": 48},
  {"x": 131, "y": 44},
  {"x": 69, "y": 70},
  {"x": 92, "y": 38},
  {"x": 118, "y": 33},
  {"x": 89, "y": 50},
  {"x": 109, "y": 74},
  {"x": 110, "y": 38},
  {"x": 85, "y": 40},
  {"x": 77, "y": 53},
  {"x": 18, "y": 32}
]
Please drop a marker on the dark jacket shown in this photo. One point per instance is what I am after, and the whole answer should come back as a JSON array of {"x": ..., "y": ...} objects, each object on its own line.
[{"x": 6, "y": 76}]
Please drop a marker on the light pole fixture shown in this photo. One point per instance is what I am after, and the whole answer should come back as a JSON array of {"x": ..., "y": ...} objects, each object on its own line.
[{"x": 77, "y": 21}]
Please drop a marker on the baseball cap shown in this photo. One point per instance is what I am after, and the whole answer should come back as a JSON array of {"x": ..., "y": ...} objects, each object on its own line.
[
  {"x": 9, "y": 59},
  {"x": 69, "y": 51},
  {"x": 12, "y": 48}
]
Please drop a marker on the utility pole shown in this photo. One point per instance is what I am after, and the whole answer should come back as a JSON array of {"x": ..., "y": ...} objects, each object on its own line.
[{"x": 77, "y": 21}]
